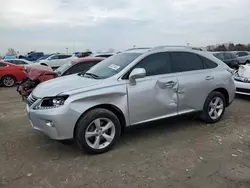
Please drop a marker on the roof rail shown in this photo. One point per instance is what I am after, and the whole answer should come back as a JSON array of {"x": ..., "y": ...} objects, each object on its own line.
[
  {"x": 142, "y": 48},
  {"x": 176, "y": 46}
]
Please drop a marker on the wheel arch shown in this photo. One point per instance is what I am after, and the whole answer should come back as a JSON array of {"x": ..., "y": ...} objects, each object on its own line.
[
  {"x": 225, "y": 93},
  {"x": 118, "y": 112},
  {"x": 8, "y": 75}
]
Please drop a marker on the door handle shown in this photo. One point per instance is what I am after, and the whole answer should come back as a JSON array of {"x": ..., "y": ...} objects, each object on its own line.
[
  {"x": 170, "y": 84},
  {"x": 209, "y": 78}
]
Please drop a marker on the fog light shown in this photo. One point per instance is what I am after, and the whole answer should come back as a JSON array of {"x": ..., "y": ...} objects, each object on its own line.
[{"x": 49, "y": 123}]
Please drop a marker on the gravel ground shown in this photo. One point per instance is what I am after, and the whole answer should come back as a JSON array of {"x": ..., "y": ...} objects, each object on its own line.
[{"x": 178, "y": 152}]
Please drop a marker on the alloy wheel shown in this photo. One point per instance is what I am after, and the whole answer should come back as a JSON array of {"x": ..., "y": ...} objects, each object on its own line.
[
  {"x": 8, "y": 81},
  {"x": 100, "y": 133},
  {"x": 215, "y": 108}
]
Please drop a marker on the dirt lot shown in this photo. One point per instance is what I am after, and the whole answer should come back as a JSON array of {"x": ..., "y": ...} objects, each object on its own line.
[{"x": 180, "y": 152}]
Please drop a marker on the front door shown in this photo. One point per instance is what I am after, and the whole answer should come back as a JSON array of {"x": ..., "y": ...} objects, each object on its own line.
[{"x": 154, "y": 96}]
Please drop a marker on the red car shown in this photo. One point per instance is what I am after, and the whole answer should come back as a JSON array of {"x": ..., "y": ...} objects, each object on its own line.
[
  {"x": 78, "y": 65},
  {"x": 10, "y": 74}
]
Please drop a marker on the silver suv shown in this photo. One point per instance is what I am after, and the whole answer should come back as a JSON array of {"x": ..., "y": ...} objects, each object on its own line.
[{"x": 129, "y": 88}]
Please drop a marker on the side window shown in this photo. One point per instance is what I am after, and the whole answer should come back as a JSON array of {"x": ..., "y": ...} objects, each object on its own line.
[
  {"x": 208, "y": 64},
  {"x": 64, "y": 56},
  {"x": 54, "y": 57},
  {"x": 10, "y": 61},
  {"x": 156, "y": 64},
  {"x": 227, "y": 56},
  {"x": 82, "y": 67},
  {"x": 219, "y": 56},
  {"x": 183, "y": 61},
  {"x": 241, "y": 54},
  {"x": 2, "y": 65}
]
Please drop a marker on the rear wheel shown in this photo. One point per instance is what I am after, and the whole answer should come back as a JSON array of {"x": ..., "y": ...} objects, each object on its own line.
[
  {"x": 9, "y": 81},
  {"x": 247, "y": 62},
  {"x": 214, "y": 107},
  {"x": 97, "y": 131}
]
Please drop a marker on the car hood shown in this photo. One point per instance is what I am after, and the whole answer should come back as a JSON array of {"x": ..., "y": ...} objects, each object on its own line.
[
  {"x": 244, "y": 71},
  {"x": 64, "y": 84}
]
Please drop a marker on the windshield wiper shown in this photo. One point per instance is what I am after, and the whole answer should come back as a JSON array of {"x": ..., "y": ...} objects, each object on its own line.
[{"x": 92, "y": 75}]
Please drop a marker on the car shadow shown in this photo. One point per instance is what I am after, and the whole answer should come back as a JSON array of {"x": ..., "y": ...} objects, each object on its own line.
[
  {"x": 141, "y": 131},
  {"x": 242, "y": 97}
]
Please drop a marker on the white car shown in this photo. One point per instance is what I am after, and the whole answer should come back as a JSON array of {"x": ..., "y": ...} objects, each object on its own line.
[
  {"x": 56, "y": 60},
  {"x": 23, "y": 62},
  {"x": 242, "y": 80},
  {"x": 243, "y": 57}
]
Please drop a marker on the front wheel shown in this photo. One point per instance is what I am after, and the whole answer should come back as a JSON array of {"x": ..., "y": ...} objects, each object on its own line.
[
  {"x": 8, "y": 81},
  {"x": 214, "y": 107},
  {"x": 97, "y": 131}
]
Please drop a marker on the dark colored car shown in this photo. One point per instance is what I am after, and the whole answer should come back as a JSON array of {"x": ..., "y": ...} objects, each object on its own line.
[
  {"x": 229, "y": 58},
  {"x": 33, "y": 56},
  {"x": 78, "y": 65}
]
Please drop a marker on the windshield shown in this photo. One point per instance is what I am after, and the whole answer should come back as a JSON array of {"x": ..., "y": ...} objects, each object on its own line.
[
  {"x": 112, "y": 65},
  {"x": 44, "y": 57},
  {"x": 62, "y": 68}
]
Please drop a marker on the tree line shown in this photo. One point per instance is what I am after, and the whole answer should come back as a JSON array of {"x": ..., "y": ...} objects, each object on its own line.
[{"x": 229, "y": 47}]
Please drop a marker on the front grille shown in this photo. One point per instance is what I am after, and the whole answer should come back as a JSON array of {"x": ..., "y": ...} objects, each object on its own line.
[
  {"x": 243, "y": 90},
  {"x": 31, "y": 100}
]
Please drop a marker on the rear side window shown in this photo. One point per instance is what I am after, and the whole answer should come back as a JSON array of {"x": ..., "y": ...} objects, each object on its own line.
[
  {"x": 2, "y": 65},
  {"x": 208, "y": 64},
  {"x": 156, "y": 64},
  {"x": 183, "y": 61}
]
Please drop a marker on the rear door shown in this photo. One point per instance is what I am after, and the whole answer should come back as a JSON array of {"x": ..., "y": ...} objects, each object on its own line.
[
  {"x": 154, "y": 96},
  {"x": 196, "y": 80}
]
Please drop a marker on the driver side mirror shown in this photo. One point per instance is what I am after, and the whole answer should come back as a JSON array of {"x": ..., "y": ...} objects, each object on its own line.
[{"x": 135, "y": 74}]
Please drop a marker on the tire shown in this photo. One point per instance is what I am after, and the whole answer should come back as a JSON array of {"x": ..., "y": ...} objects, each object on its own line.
[
  {"x": 90, "y": 122},
  {"x": 247, "y": 62},
  {"x": 8, "y": 81},
  {"x": 210, "y": 108}
]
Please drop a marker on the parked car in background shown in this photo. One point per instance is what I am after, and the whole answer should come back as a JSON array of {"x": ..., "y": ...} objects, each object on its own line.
[
  {"x": 10, "y": 74},
  {"x": 130, "y": 88},
  {"x": 56, "y": 60},
  {"x": 33, "y": 56},
  {"x": 18, "y": 61},
  {"x": 244, "y": 57},
  {"x": 242, "y": 80},
  {"x": 229, "y": 58},
  {"x": 9, "y": 57},
  {"x": 105, "y": 55},
  {"x": 78, "y": 65}
]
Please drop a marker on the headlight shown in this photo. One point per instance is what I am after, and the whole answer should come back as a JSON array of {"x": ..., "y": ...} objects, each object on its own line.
[
  {"x": 51, "y": 102},
  {"x": 242, "y": 79}
]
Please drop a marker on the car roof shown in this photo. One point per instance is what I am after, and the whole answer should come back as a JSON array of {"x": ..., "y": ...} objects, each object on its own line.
[{"x": 86, "y": 59}]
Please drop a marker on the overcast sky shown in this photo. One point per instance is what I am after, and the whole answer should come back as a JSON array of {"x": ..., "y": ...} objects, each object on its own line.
[{"x": 53, "y": 25}]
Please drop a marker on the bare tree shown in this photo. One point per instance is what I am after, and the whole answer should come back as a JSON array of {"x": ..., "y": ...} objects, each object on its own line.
[{"x": 11, "y": 52}]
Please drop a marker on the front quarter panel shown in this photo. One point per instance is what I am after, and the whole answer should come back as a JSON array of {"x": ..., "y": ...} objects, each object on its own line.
[{"x": 114, "y": 95}]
